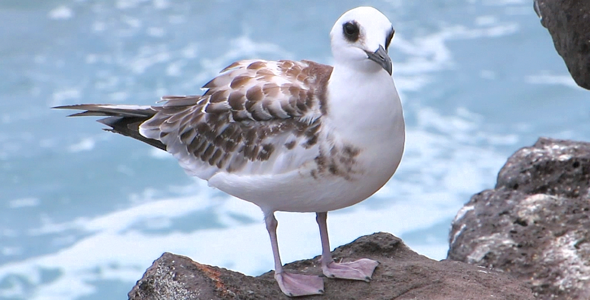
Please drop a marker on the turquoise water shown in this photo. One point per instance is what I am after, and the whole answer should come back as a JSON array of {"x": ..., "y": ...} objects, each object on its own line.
[{"x": 84, "y": 212}]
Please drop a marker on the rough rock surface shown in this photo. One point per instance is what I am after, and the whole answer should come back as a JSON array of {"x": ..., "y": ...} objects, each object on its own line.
[
  {"x": 535, "y": 224},
  {"x": 568, "y": 22},
  {"x": 402, "y": 274}
]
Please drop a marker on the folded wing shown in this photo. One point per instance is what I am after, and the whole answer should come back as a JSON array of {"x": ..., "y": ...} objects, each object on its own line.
[{"x": 256, "y": 117}]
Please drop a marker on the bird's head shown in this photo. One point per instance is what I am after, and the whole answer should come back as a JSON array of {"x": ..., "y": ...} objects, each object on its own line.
[{"x": 360, "y": 39}]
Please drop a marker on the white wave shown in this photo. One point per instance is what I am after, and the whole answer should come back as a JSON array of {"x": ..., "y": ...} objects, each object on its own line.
[
  {"x": 487, "y": 74},
  {"x": 505, "y": 2},
  {"x": 156, "y": 31},
  {"x": 59, "y": 97},
  {"x": 486, "y": 20},
  {"x": 128, "y": 4},
  {"x": 11, "y": 251},
  {"x": 23, "y": 202},
  {"x": 175, "y": 68},
  {"x": 99, "y": 26},
  {"x": 61, "y": 13},
  {"x": 427, "y": 54},
  {"x": 148, "y": 56},
  {"x": 240, "y": 48},
  {"x": 550, "y": 79},
  {"x": 85, "y": 144},
  {"x": 119, "y": 96},
  {"x": 161, "y": 4},
  {"x": 190, "y": 51}
]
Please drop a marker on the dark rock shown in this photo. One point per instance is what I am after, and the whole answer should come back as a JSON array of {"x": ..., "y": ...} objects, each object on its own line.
[
  {"x": 535, "y": 224},
  {"x": 402, "y": 274},
  {"x": 568, "y": 22}
]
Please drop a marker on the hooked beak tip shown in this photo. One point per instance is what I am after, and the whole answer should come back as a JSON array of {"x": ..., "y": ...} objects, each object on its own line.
[{"x": 381, "y": 57}]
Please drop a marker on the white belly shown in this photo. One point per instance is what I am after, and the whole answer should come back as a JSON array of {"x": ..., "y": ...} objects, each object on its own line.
[{"x": 298, "y": 191}]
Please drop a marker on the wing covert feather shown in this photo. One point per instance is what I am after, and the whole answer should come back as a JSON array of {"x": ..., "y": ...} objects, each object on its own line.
[{"x": 255, "y": 117}]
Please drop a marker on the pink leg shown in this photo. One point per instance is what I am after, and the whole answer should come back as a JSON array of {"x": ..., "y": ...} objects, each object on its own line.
[
  {"x": 291, "y": 284},
  {"x": 361, "y": 269}
]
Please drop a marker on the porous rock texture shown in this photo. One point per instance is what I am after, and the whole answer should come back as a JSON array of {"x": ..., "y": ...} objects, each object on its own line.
[
  {"x": 535, "y": 224},
  {"x": 568, "y": 22},
  {"x": 402, "y": 274}
]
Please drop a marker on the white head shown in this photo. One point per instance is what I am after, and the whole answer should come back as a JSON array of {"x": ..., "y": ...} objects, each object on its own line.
[{"x": 360, "y": 39}]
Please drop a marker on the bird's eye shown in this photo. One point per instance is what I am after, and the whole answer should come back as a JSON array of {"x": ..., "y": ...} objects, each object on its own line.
[
  {"x": 389, "y": 37},
  {"x": 351, "y": 31}
]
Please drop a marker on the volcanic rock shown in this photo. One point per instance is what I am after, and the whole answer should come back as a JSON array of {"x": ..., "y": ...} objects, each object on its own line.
[
  {"x": 568, "y": 22},
  {"x": 535, "y": 224},
  {"x": 401, "y": 274}
]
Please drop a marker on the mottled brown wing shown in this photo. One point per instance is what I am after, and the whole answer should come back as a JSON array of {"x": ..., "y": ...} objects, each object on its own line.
[{"x": 256, "y": 116}]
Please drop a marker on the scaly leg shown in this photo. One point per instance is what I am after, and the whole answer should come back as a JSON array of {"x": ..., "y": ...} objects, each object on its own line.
[
  {"x": 361, "y": 269},
  {"x": 291, "y": 284}
]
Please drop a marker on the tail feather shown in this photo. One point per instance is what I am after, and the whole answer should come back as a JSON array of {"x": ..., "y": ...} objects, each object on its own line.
[
  {"x": 123, "y": 119},
  {"x": 110, "y": 110}
]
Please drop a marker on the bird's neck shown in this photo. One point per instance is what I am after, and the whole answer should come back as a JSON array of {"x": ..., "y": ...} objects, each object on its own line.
[{"x": 363, "y": 102}]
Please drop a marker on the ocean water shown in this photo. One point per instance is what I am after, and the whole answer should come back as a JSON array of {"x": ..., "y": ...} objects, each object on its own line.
[{"x": 84, "y": 212}]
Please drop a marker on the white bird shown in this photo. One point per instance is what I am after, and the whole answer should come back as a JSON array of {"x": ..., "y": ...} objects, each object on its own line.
[{"x": 294, "y": 136}]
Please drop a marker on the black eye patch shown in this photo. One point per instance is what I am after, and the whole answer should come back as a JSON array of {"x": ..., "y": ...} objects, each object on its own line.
[
  {"x": 389, "y": 37},
  {"x": 351, "y": 31}
]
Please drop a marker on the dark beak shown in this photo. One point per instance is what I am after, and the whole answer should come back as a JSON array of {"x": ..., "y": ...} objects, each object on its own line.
[{"x": 381, "y": 58}]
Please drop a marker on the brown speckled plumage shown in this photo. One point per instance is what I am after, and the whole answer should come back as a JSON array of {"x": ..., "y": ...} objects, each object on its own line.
[{"x": 242, "y": 111}]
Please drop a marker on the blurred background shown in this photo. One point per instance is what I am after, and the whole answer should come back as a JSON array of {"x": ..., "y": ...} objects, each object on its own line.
[{"x": 84, "y": 212}]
